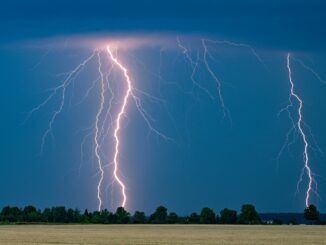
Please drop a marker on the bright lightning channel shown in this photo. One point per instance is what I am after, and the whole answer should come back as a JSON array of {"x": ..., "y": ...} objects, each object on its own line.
[
  {"x": 118, "y": 123},
  {"x": 299, "y": 124},
  {"x": 130, "y": 93},
  {"x": 103, "y": 115},
  {"x": 97, "y": 135}
]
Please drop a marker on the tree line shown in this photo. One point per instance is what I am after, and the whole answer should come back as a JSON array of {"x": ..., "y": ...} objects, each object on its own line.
[{"x": 247, "y": 215}]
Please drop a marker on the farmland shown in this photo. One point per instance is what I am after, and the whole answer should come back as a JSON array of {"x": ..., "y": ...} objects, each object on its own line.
[{"x": 162, "y": 234}]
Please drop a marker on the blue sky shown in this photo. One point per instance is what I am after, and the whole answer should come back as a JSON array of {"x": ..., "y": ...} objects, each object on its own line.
[{"x": 212, "y": 161}]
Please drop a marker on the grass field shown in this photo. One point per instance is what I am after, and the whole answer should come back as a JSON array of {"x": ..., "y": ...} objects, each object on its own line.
[{"x": 162, "y": 234}]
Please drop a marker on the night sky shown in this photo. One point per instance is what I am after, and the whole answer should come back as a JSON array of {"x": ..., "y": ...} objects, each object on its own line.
[{"x": 212, "y": 160}]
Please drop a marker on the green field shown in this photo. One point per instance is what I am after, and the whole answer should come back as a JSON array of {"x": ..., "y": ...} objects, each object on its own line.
[{"x": 162, "y": 234}]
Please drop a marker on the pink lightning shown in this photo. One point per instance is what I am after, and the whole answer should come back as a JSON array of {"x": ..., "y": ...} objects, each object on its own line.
[
  {"x": 104, "y": 120},
  {"x": 118, "y": 123},
  {"x": 300, "y": 123}
]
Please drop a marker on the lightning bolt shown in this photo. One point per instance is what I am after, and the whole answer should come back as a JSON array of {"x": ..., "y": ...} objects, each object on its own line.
[
  {"x": 225, "y": 110},
  {"x": 241, "y": 45},
  {"x": 62, "y": 88},
  {"x": 298, "y": 125},
  {"x": 109, "y": 125},
  {"x": 122, "y": 111},
  {"x": 130, "y": 93},
  {"x": 104, "y": 120},
  {"x": 97, "y": 133},
  {"x": 194, "y": 64},
  {"x": 308, "y": 68}
]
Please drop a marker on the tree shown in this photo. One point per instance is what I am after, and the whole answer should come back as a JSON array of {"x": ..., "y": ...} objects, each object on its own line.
[
  {"x": 311, "y": 213},
  {"x": 122, "y": 216},
  {"x": 85, "y": 218},
  {"x": 249, "y": 215},
  {"x": 47, "y": 215},
  {"x": 228, "y": 216},
  {"x": 96, "y": 218},
  {"x": 31, "y": 214},
  {"x": 59, "y": 214},
  {"x": 29, "y": 209},
  {"x": 172, "y": 218},
  {"x": 193, "y": 218},
  {"x": 139, "y": 218},
  {"x": 70, "y": 216},
  {"x": 76, "y": 216},
  {"x": 207, "y": 216},
  {"x": 11, "y": 214},
  {"x": 107, "y": 217},
  {"x": 159, "y": 216}
]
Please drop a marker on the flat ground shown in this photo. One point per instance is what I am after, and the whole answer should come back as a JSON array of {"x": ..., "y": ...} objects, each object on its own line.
[{"x": 162, "y": 234}]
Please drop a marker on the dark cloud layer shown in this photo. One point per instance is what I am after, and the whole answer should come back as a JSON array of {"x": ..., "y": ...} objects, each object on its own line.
[{"x": 291, "y": 25}]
